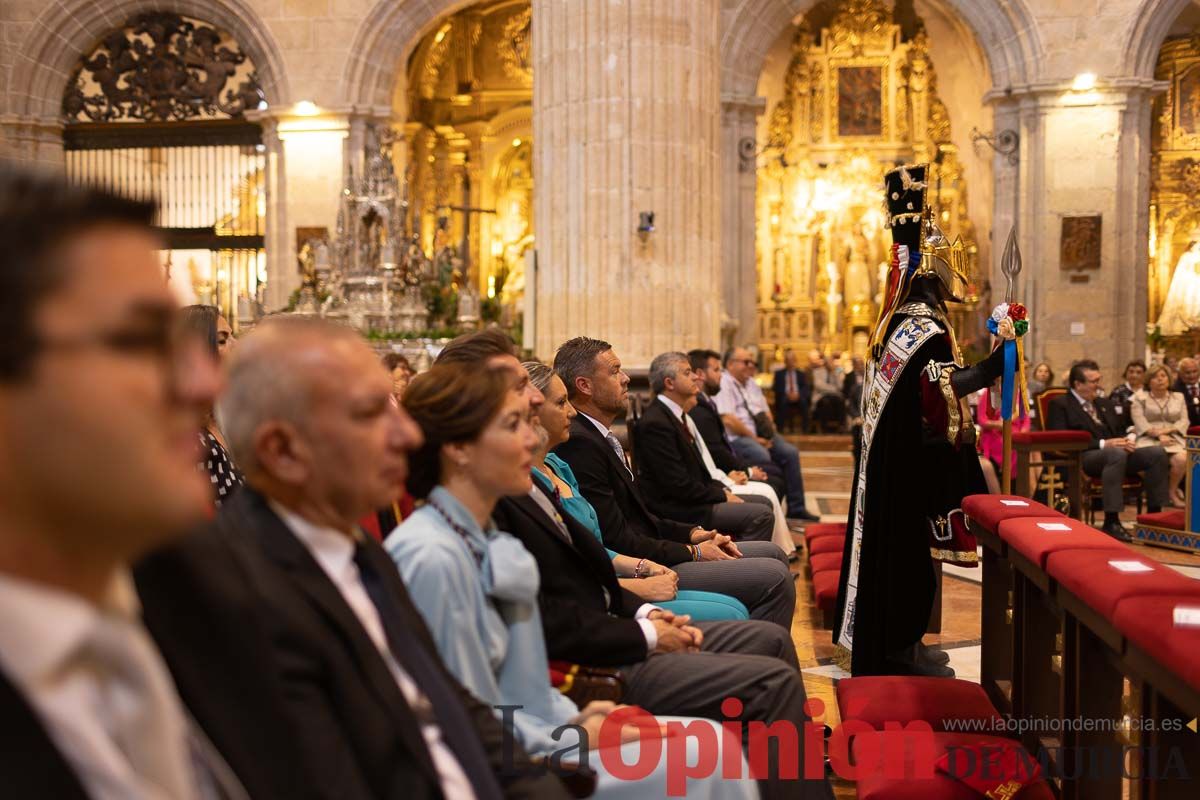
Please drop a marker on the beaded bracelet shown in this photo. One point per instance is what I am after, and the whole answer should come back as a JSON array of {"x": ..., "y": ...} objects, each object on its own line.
[{"x": 637, "y": 571}]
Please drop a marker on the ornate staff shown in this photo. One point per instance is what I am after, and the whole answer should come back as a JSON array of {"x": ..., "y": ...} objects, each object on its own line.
[{"x": 1009, "y": 323}]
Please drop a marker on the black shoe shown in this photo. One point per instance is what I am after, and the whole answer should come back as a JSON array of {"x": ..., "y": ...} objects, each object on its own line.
[
  {"x": 908, "y": 662},
  {"x": 1117, "y": 531},
  {"x": 932, "y": 654},
  {"x": 803, "y": 516}
]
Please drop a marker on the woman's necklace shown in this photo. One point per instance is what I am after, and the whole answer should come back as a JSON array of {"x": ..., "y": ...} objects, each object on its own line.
[
  {"x": 457, "y": 528},
  {"x": 1162, "y": 405}
]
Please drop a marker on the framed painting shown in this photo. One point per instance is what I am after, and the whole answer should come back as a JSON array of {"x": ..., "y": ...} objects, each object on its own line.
[{"x": 860, "y": 101}]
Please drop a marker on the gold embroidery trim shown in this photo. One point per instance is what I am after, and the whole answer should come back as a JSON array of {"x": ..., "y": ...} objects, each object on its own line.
[
  {"x": 962, "y": 556},
  {"x": 953, "y": 408}
]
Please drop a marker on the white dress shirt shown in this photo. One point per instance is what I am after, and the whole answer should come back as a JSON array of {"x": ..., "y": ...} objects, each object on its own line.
[
  {"x": 100, "y": 687},
  {"x": 781, "y": 534},
  {"x": 334, "y": 551},
  {"x": 742, "y": 400}
]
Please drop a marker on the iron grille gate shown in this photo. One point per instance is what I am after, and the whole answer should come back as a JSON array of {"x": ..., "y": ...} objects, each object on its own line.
[{"x": 208, "y": 180}]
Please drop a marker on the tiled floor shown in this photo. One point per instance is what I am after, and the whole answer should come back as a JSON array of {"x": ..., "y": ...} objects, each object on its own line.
[{"x": 827, "y": 466}]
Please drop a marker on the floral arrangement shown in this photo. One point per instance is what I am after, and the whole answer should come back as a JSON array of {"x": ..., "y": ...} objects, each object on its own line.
[{"x": 1009, "y": 323}]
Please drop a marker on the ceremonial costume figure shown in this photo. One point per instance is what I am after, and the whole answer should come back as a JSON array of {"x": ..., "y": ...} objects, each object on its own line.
[{"x": 918, "y": 456}]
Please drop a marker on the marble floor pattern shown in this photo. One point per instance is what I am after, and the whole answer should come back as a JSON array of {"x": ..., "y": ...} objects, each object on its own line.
[{"x": 827, "y": 465}]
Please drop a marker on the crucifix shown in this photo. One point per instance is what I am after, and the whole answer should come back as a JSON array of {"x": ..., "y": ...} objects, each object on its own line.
[{"x": 466, "y": 209}]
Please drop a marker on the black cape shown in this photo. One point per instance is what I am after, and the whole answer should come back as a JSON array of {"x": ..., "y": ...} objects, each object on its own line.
[{"x": 913, "y": 474}]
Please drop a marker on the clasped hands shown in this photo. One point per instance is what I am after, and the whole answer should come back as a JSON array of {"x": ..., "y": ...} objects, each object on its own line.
[
  {"x": 675, "y": 635},
  {"x": 715, "y": 546}
]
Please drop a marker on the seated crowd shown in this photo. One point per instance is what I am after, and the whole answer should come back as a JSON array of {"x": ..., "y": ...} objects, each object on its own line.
[
  {"x": 1137, "y": 430},
  {"x": 192, "y": 608}
]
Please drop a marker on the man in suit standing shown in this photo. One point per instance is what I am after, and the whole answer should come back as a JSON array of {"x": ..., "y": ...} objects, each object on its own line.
[
  {"x": 1112, "y": 455},
  {"x": 673, "y": 477},
  {"x": 1188, "y": 384},
  {"x": 98, "y": 412},
  {"x": 792, "y": 394},
  {"x": 308, "y": 412}
]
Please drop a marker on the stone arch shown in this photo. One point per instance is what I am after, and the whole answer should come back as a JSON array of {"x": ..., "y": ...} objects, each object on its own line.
[
  {"x": 67, "y": 29},
  {"x": 1152, "y": 22},
  {"x": 382, "y": 45},
  {"x": 1007, "y": 33}
]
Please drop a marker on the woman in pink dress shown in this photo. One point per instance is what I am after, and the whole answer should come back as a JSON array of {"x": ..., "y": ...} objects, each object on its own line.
[{"x": 991, "y": 437}]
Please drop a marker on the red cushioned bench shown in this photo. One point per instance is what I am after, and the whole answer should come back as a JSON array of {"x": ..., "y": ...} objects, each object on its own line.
[
  {"x": 825, "y": 589},
  {"x": 826, "y": 562},
  {"x": 876, "y": 785},
  {"x": 1167, "y": 529},
  {"x": 901, "y": 699},
  {"x": 1031, "y": 540},
  {"x": 820, "y": 530},
  {"x": 1166, "y": 654},
  {"x": 989, "y": 510},
  {"x": 1091, "y": 585},
  {"x": 827, "y": 544}
]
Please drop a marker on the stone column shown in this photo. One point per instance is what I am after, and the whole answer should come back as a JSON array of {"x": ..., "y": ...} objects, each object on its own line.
[
  {"x": 739, "y": 179},
  {"x": 1082, "y": 154},
  {"x": 626, "y": 112},
  {"x": 282, "y": 270}
]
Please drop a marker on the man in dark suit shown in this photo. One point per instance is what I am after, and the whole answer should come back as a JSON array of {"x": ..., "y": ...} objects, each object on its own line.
[
  {"x": 793, "y": 393},
  {"x": 671, "y": 472},
  {"x": 308, "y": 413},
  {"x": 707, "y": 366},
  {"x": 754, "y": 572},
  {"x": 1111, "y": 455},
  {"x": 668, "y": 665},
  {"x": 99, "y": 407},
  {"x": 1188, "y": 384}
]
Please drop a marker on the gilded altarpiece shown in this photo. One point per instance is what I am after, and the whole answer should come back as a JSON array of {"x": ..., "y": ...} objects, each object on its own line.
[
  {"x": 1174, "y": 281},
  {"x": 468, "y": 133},
  {"x": 858, "y": 99}
]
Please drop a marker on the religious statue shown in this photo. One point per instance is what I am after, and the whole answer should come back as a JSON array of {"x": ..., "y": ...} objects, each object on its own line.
[
  {"x": 1182, "y": 309},
  {"x": 833, "y": 300},
  {"x": 858, "y": 274}
]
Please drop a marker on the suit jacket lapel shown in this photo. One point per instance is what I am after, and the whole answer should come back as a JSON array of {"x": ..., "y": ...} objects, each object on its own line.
[
  {"x": 581, "y": 540},
  {"x": 282, "y": 548},
  {"x": 29, "y": 760},
  {"x": 589, "y": 429}
]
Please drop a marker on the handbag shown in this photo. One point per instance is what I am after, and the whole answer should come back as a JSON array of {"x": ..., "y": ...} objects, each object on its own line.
[
  {"x": 764, "y": 426},
  {"x": 951, "y": 542}
]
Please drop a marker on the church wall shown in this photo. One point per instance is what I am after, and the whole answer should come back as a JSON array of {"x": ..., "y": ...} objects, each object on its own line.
[{"x": 346, "y": 56}]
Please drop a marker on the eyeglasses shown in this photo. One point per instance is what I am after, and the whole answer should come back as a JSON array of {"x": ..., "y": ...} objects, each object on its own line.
[{"x": 156, "y": 340}]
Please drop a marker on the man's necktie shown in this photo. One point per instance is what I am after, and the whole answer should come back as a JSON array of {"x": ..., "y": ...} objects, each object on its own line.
[
  {"x": 615, "y": 444},
  {"x": 441, "y": 703},
  {"x": 140, "y": 709},
  {"x": 791, "y": 382},
  {"x": 1091, "y": 410}
]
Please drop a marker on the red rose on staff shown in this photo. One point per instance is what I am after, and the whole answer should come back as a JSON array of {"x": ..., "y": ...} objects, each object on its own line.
[{"x": 1017, "y": 312}]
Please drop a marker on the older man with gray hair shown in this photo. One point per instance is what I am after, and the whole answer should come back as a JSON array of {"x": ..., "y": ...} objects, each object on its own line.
[
  {"x": 674, "y": 478},
  {"x": 309, "y": 415},
  {"x": 1188, "y": 384}
]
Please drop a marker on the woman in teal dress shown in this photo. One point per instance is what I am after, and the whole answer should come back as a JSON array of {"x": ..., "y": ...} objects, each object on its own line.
[
  {"x": 477, "y": 587},
  {"x": 651, "y": 582}
]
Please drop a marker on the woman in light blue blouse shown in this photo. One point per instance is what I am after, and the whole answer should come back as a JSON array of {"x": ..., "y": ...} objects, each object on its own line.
[
  {"x": 476, "y": 587},
  {"x": 652, "y": 582}
]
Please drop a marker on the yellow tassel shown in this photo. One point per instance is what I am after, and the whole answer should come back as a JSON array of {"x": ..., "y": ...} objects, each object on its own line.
[{"x": 1021, "y": 398}]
